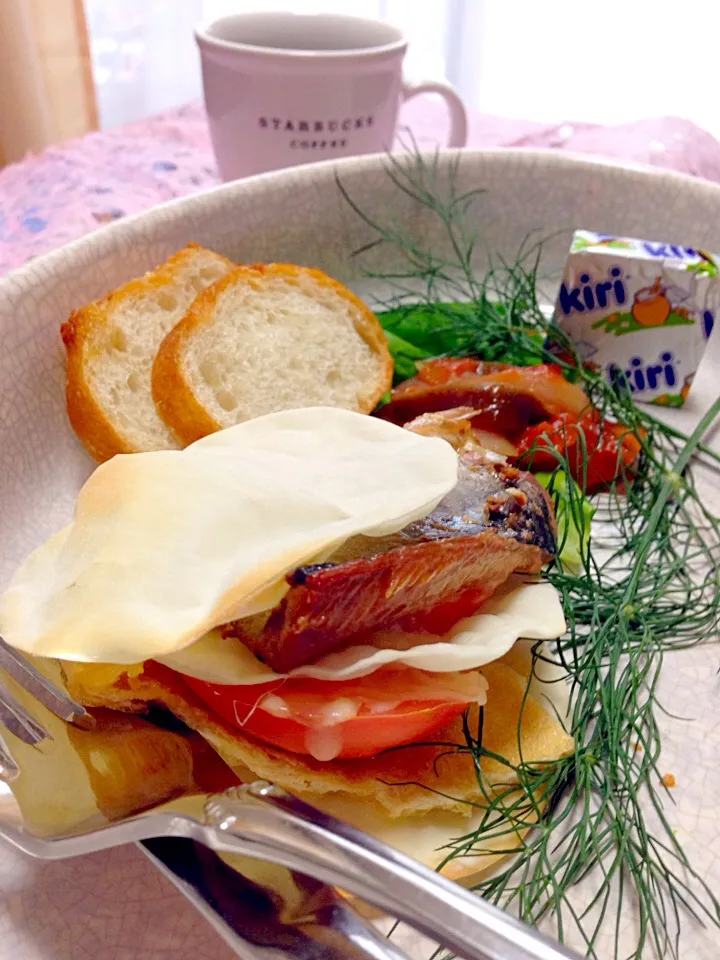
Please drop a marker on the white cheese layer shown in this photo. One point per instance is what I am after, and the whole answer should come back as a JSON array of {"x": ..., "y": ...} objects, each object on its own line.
[
  {"x": 165, "y": 546},
  {"x": 531, "y": 610}
]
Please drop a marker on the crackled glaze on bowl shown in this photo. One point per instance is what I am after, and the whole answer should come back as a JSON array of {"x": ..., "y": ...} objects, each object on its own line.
[{"x": 115, "y": 905}]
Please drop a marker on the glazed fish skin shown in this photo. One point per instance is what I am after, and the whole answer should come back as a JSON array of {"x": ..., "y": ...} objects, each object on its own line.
[
  {"x": 506, "y": 398},
  {"x": 496, "y": 522},
  {"x": 495, "y": 496},
  {"x": 498, "y": 407}
]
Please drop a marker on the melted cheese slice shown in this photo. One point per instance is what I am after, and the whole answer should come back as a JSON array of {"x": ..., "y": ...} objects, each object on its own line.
[
  {"x": 531, "y": 610},
  {"x": 164, "y": 546}
]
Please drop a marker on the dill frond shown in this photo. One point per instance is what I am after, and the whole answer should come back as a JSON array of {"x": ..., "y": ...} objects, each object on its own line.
[{"x": 648, "y": 583}]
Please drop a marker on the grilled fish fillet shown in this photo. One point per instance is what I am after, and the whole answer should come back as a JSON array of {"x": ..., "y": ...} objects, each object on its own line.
[
  {"x": 506, "y": 400},
  {"x": 497, "y": 521}
]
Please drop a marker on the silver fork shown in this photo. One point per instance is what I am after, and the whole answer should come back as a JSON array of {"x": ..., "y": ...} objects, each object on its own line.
[
  {"x": 263, "y": 821},
  {"x": 15, "y": 718},
  {"x": 245, "y": 914}
]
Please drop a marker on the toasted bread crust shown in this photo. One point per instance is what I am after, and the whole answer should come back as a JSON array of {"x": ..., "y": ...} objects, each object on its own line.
[
  {"x": 79, "y": 332},
  {"x": 87, "y": 418},
  {"x": 174, "y": 397},
  {"x": 417, "y": 779}
]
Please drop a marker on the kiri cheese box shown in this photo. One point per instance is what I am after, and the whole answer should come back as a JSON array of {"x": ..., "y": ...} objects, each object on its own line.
[{"x": 640, "y": 307}]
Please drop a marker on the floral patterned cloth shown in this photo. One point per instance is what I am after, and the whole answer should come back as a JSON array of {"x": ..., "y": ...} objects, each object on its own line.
[{"x": 72, "y": 188}]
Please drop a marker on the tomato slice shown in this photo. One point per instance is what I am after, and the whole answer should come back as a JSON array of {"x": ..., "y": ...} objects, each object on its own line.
[
  {"x": 567, "y": 435},
  {"x": 597, "y": 451},
  {"x": 347, "y": 718},
  {"x": 443, "y": 369},
  {"x": 539, "y": 444},
  {"x": 616, "y": 451}
]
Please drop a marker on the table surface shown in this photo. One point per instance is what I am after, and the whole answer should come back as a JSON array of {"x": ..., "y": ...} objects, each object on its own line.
[
  {"x": 118, "y": 906},
  {"x": 76, "y": 187}
]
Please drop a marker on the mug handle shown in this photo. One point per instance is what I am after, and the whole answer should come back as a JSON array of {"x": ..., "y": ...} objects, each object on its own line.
[{"x": 456, "y": 108}]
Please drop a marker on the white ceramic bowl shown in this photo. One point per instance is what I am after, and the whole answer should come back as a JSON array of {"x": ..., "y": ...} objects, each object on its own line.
[{"x": 299, "y": 215}]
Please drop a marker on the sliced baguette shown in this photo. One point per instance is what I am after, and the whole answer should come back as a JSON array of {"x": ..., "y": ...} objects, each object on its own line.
[
  {"x": 269, "y": 337},
  {"x": 111, "y": 344}
]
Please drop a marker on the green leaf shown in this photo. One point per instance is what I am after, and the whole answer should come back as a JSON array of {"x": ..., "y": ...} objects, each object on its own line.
[
  {"x": 574, "y": 513},
  {"x": 432, "y": 328},
  {"x": 404, "y": 355},
  {"x": 480, "y": 328}
]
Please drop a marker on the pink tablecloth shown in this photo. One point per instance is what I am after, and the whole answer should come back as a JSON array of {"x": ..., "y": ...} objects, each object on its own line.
[{"x": 75, "y": 187}]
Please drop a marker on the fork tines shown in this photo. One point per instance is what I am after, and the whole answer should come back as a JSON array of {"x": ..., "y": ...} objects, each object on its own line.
[
  {"x": 15, "y": 718},
  {"x": 13, "y": 715}
]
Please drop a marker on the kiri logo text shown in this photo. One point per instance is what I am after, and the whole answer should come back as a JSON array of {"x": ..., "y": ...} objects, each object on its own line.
[
  {"x": 591, "y": 295},
  {"x": 641, "y": 376}
]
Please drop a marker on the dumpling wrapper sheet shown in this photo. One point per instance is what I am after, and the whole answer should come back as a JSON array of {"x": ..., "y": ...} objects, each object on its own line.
[
  {"x": 164, "y": 546},
  {"x": 530, "y": 610}
]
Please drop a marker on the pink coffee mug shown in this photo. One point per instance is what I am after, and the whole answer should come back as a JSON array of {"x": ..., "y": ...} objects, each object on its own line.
[{"x": 283, "y": 89}]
